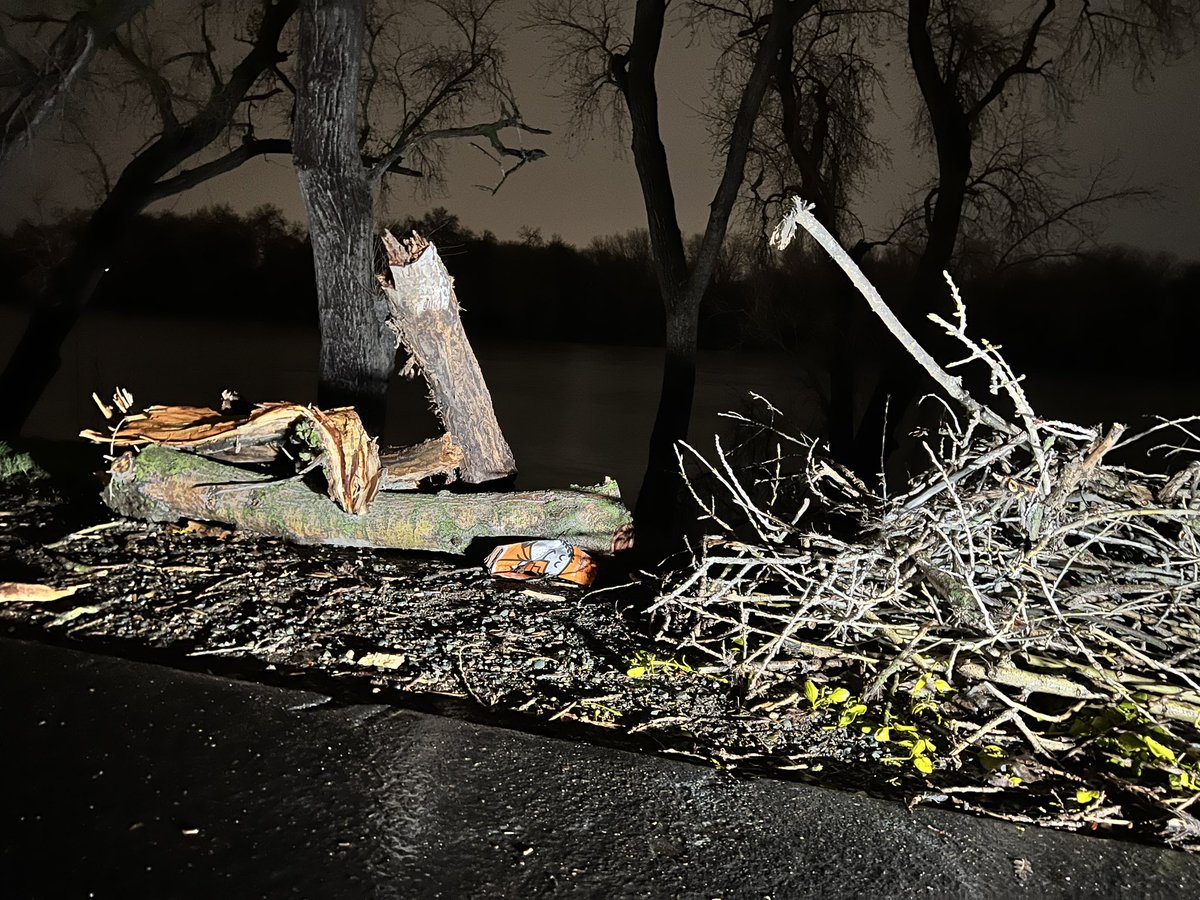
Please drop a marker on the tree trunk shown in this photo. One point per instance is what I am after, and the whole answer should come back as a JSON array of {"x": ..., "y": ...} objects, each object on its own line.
[
  {"x": 902, "y": 381},
  {"x": 682, "y": 287},
  {"x": 163, "y": 485},
  {"x": 357, "y": 350},
  {"x": 658, "y": 500},
  {"x": 426, "y": 317},
  {"x": 658, "y": 504}
]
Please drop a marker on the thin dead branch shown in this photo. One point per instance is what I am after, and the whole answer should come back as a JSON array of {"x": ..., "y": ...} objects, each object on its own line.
[{"x": 1053, "y": 594}]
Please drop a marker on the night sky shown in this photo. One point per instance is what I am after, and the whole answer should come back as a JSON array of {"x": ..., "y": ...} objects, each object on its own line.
[{"x": 587, "y": 189}]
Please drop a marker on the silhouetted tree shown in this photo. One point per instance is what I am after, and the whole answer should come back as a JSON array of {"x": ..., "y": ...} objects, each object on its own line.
[
  {"x": 1000, "y": 179},
  {"x": 995, "y": 86},
  {"x": 189, "y": 122},
  {"x": 37, "y": 87},
  {"x": 598, "y": 54},
  {"x": 812, "y": 138}
]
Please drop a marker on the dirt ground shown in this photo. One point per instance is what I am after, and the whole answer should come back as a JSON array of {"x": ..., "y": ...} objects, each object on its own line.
[
  {"x": 430, "y": 632},
  {"x": 406, "y": 627}
]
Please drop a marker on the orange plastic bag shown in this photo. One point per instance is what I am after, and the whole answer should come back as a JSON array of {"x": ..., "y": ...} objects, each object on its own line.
[{"x": 542, "y": 559}]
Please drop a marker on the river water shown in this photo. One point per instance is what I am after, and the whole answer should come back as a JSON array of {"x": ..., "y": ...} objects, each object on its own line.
[{"x": 573, "y": 413}]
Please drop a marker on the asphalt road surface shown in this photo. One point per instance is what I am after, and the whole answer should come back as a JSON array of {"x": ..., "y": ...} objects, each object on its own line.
[{"x": 127, "y": 780}]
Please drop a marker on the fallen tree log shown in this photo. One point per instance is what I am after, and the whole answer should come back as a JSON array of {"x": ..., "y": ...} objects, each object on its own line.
[
  {"x": 163, "y": 485},
  {"x": 354, "y": 467}
]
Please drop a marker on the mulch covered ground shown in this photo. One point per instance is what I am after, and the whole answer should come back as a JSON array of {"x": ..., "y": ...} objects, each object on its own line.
[{"x": 385, "y": 623}]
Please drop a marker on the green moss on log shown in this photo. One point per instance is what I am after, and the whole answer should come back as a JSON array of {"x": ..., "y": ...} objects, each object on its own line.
[{"x": 165, "y": 485}]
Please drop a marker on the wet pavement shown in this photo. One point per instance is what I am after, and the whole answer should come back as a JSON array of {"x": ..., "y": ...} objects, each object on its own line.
[{"x": 124, "y": 779}]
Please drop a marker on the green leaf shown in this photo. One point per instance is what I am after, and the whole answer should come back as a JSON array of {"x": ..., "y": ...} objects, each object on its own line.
[
  {"x": 1159, "y": 750},
  {"x": 839, "y": 695},
  {"x": 636, "y": 671},
  {"x": 1185, "y": 781},
  {"x": 923, "y": 764},
  {"x": 850, "y": 713},
  {"x": 1083, "y": 796},
  {"x": 1131, "y": 742},
  {"x": 810, "y": 692}
]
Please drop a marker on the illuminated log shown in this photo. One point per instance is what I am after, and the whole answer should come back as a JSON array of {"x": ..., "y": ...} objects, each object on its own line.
[
  {"x": 163, "y": 485},
  {"x": 425, "y": 317}
]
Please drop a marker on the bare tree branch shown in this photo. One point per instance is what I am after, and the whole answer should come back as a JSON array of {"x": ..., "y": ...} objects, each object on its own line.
[
  {"x": 186, "y": 179},
  {"x": 67, "y": 59},
  {"x": 1023, "y": 65},
  {"x": 152, "y": 77}
]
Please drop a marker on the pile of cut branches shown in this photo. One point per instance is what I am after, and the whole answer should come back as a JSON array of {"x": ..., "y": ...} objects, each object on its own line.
[{"x": 1018, "y": 631}]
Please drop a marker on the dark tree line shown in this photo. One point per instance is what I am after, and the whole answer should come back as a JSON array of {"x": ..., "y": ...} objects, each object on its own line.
[{"x": 1105, "y": 311}]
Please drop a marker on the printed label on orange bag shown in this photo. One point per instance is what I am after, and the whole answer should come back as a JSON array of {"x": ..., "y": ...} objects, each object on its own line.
[{"x": 542, "y": 559}]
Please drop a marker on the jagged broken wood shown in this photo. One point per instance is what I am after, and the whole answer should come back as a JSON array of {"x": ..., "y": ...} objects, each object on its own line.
[
  {"x": 404, "y": 468},
  {"x": 163, "y": 485},
  {"x": 424, "y": 314},
  {"x": 262, "y": 436},
  {"x": 348, "y": 456}
]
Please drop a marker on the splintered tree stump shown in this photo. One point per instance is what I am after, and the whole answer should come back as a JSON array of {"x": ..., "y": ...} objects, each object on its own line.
[
  {"x": 425, "y": 316},
  {"x": 163, "y": 485}
]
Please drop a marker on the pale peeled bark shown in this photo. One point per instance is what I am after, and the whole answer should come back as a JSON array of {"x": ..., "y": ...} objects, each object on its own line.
[{"x": 425, "y": 316}]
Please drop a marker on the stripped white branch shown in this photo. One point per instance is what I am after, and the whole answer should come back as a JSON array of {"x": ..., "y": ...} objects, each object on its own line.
[{"x": 800, "y": 214}]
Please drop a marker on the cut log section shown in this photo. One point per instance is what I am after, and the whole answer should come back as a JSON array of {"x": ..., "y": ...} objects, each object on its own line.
[
  {"x": 163, "y": 485},
  {"x": 425, "y": 317}
]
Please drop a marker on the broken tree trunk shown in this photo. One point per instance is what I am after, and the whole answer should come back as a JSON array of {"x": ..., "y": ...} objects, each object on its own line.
[
  {"x": 425, "y": 317},
  {"x": 163, "y": 485}
]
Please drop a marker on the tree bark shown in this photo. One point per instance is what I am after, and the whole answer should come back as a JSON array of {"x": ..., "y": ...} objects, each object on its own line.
[
  {"x": 425, "y": 315},
  {"x": 163, "y": 485},
  {"x": 357, "y": 351}
]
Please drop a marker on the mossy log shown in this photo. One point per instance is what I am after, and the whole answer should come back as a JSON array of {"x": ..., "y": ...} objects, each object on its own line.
[{"x": 162, "y": 485}]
